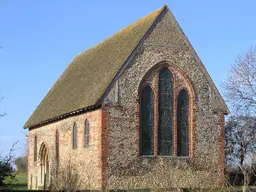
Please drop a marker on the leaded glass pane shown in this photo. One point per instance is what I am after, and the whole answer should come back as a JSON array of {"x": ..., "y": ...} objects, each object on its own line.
[
  {"x": 147, "y": 121},
  {"x": 86, "y": 134},
  {"x": 165, "y": 107},
  {"x": 183, "y": 124},
  {"x": 75, "y": 136},
  {"x": 35, "y": 148}
]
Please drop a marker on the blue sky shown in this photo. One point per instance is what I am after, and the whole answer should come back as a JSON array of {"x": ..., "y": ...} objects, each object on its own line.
[{"x": 40, "y": 38}]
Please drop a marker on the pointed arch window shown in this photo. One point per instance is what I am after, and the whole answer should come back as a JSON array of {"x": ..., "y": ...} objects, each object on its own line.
[
  {"x": 165, "y": 111},
  {"x": 57, "y": 145},
  {"x": 147, "y": 121},
  {"x": 75, "y": 136},
  {"x": 35, "y": 148},
  {"x": 166, "y": 130},
  {"x": 183, "y": 124},
  {"x": 86, "y": 134}
]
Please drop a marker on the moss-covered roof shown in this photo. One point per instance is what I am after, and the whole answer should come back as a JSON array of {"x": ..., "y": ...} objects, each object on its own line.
[{"x": 87, "y": 77}]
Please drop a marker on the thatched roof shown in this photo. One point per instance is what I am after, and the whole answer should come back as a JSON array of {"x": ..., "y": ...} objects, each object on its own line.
[{"x": 87, "y": 77}]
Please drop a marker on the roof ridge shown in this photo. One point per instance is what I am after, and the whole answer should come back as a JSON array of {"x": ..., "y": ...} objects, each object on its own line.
[
  {"x": 85, "y": 72},
  {"x": 133, "y": 52},
  {"x": 124, "y": 28}
]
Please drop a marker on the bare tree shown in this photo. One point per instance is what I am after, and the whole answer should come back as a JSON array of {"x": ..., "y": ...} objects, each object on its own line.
[
  {"x": 240, "y": 93},
  {"x": 199, "y": 179},
  {"x": 240, "y": 134},
  {"x": 65, "y": 177},
  {"x": 240, "y": 145},
  {"x": 240, "y": 87},
  {"x": 192, "y": 175}
]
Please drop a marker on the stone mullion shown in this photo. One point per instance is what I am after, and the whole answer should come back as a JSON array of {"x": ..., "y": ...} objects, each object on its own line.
[
  {"x": 175, "y": 95},
  {"x": 156, "y": 88}
]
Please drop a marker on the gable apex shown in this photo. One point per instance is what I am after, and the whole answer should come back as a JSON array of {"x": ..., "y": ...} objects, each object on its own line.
[
  {"x": 172, "y": 36},
  {"x": 82, "y": 85},
  {"x": 165, "y": 10},
  {"x": 225, "y": 108}
]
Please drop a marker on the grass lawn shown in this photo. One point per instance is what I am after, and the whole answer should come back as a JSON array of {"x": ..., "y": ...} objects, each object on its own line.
[{"x": 21, "y": 181}]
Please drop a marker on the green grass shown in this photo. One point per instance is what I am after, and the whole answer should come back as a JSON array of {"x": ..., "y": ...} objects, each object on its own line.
[{"x": 21, "y": 181}]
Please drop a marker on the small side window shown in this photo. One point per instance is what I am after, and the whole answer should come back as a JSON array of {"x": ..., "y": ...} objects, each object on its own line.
[
  {"x": 75, "y": 136},
  {"x": 86, "y": 134},
  {"x": 35, "y": 148},
  {"x": 57, "y": 145}
]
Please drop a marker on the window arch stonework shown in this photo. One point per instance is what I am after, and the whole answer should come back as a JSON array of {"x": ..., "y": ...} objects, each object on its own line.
[{"x": 180, "y": 81}]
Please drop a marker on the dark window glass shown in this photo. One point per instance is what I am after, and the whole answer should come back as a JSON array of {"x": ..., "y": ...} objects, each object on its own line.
[
  {"x": 75, "y": 136},
  {"x": 183, "y": 124},
  {"x": 86, "y": 134},
  {"x": 35, "y": 148},
  {"x": 147, "y": 121},
  {"x": 57, "y": 145},
  {"x": 165, "y": 107}
]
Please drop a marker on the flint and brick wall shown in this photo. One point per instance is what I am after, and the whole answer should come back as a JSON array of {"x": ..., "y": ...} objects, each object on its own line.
[
  {"x": 87, "y": 160},
  {"x": 125, "y": 168}
]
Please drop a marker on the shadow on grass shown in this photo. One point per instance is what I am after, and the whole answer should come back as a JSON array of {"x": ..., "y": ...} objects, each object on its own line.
[{"x": 20, "y": 186}]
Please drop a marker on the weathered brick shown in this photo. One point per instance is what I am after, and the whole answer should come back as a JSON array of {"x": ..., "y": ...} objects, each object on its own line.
[{"x": 87, "y": 159}]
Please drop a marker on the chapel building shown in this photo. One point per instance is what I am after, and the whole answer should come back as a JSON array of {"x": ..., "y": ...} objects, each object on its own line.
[{"x": 136, "y": 111}]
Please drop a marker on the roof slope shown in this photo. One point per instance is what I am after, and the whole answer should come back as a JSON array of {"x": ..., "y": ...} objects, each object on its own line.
[{"x": 87, "y": 77}]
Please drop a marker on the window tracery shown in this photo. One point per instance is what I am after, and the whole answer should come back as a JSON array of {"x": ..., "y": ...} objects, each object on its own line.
[{"x": 165, "y": 121}]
